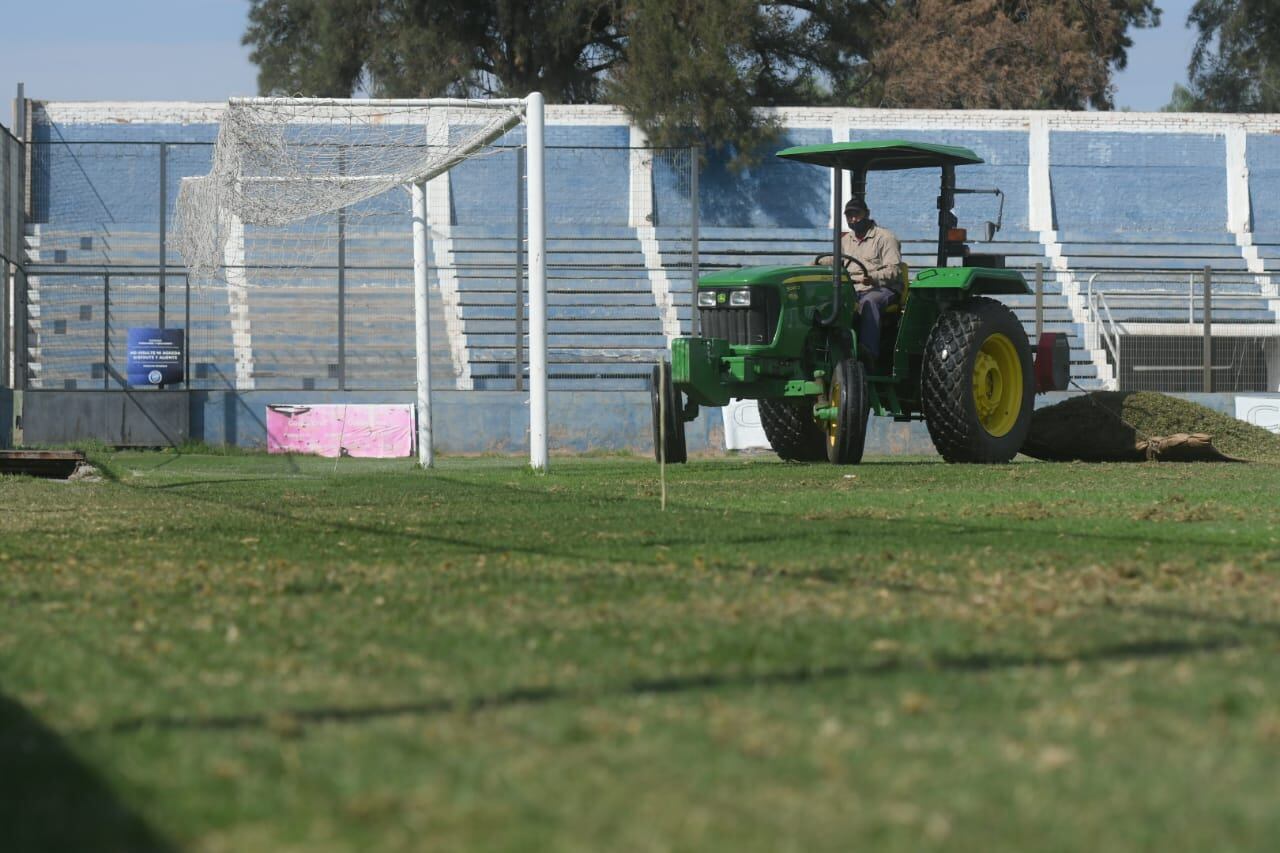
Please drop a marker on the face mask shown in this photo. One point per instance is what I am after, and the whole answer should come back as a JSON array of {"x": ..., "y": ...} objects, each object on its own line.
[{"x": 862, "y": 226}]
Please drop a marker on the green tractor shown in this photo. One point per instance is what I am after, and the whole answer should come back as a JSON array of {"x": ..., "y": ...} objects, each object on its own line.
[{"x": 785, "y": 336}]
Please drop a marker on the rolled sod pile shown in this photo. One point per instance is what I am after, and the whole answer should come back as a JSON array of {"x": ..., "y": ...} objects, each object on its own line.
[{"x": 1114, "y": 426}]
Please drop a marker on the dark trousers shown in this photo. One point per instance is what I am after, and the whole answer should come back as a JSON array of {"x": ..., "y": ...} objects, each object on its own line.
[{"x": 871, "y": 305}]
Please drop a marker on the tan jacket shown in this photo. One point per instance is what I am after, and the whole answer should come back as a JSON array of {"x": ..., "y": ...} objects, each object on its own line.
[{"x": 881, "y": 252}]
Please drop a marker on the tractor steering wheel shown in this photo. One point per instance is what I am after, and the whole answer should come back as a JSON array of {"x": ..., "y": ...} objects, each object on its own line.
[{"x": 846, "y": 260}]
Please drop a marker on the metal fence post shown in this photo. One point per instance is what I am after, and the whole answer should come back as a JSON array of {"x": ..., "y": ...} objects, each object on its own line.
[
  {"x": 12, "y": 241},
  {"x": 1208, "y": 331},
  {"x": 694, "y": 213},
  {"x": 342, "y": 299},
  {"x": 1039, "y": 301},
  {"x": 7, "y": 210},
  {"x": 164, "y": 211},
  {"x": 519, "y": 269},
  {"x": 186, "y": 333},
  {"x": 20, "y": 274},
  {"x": 342, "y": 282},
  {"x": 106, "y": 331}
]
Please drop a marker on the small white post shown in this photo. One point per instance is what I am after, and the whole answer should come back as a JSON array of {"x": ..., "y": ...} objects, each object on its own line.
[
  {"x": 537, "y": 286},
  {"x": 421, "y": 323}
]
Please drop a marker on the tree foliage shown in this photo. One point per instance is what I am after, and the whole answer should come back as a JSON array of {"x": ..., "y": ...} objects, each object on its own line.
[
  {"x": 1005, "y": 54},
  {"x": 1235, "y": 66},
  {"x": 430, "y": 48},
  {"x": 694, "y": 70}
]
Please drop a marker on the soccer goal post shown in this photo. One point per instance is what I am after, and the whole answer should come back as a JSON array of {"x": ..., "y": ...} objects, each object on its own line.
[{"x": 285, "y": 166}]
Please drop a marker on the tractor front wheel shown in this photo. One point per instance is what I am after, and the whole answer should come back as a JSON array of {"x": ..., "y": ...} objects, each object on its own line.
[
  {"x": 977, "y": 384},
  {"x": 847, "y": 434},
  {"x": 668, "y": 416},
  {"x": 792, "y": 432}
]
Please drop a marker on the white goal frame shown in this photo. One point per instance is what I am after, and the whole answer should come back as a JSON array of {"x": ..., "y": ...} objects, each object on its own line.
[{"x": 533, "y": 110}]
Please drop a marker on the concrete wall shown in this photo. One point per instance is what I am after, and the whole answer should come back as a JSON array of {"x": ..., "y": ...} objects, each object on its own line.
[
  {"x": 1263, "y": 153},
  {"x": 1109, "y": 171},
  {"x": 465, "y": 422},
  {"x": 1138, "y": 181},
  {"x": 120, "y": 418},
  {"x": 895, "y": 197},
  {"x": 769, "y": 193},
  {"x": 588, "y": 176},
  {"x": 9, "y": 402}
]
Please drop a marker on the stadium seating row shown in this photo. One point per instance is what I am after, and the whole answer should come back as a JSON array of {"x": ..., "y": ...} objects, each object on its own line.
[{"x": 607, "y": 319}]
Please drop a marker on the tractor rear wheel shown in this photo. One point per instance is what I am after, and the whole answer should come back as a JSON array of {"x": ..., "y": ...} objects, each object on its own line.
[
  {"x": 976, "y": 384},
  {"x": 847, "y": 434},
  {"x": 792, "y": 432},
  {"x": 665, "y": 399}
]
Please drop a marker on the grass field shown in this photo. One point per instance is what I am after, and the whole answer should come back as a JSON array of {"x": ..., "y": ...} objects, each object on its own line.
[{"x": 264, "y": 653}]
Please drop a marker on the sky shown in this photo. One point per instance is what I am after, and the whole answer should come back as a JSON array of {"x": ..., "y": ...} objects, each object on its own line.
[{"x": 189, "y": 50}]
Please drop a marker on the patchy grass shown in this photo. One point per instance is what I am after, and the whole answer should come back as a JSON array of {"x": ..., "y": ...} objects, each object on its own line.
[{"x": 264, "y": 653}]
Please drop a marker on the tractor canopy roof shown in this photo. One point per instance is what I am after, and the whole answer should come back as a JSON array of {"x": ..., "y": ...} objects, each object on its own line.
[{"x": 881, "y": 155}]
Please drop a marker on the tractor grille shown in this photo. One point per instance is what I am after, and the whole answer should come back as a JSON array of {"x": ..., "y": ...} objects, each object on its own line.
[{"x": 752, "y": 326}]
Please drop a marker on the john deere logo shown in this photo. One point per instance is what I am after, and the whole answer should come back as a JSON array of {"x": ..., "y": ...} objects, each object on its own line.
[{"x": 721, "y": 297}]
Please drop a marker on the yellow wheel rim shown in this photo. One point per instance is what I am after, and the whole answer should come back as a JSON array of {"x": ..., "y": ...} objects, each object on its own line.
[
  {"x": 833, "y": 425},
  {"x": 997, "y": 385}
]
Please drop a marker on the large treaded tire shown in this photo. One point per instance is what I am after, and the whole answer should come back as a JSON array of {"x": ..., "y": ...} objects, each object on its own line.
[
  {"x": 676, "y": 451},
  {"x": 846, "y": 438},
  {"x": 792, "y": 432},
  {"x": 947, "y": 383}
]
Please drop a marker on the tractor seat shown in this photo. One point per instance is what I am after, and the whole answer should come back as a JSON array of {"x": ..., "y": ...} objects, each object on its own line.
[{"x": 905, "y": 274}]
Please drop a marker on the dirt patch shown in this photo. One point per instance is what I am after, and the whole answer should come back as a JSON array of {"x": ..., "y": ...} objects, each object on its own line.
[{"x": 1120, "y": 426}]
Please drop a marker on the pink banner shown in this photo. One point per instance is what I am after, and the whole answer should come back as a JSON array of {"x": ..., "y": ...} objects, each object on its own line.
[{"x": 380, "y": 431}]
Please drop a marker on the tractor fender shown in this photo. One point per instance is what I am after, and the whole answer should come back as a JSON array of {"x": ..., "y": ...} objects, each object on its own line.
[{"x": 975, "y": 281}]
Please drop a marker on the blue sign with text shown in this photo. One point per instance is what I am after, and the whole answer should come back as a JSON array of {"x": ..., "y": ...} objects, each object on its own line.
[{"x": 155, "y": 356}]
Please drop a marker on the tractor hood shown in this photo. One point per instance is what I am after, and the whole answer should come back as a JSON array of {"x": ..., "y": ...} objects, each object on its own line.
[
  {"x": 881, "y": 155},
  {"x": 767, "y": 275}
]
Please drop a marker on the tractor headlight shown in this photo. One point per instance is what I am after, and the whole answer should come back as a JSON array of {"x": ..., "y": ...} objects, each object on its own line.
[
  {"x": 706, "y": 299},
  {"x": 740, "y": 299}
]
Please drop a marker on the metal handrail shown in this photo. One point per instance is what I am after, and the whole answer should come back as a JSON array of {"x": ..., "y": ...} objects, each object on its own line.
[
  {"x": 1110, "y": 332},
  {"x": 1105, "y": 330}
]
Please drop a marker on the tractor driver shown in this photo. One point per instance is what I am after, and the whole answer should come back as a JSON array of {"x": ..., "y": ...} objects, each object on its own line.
[{"x": 880, "y": 252}]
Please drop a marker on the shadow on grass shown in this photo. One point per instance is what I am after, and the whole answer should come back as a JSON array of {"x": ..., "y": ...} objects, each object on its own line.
[
  {"x": 1158, "y": 611},
  {"x": 51, "y": 800},
  {"x": 799, "y": 676},
  {"x": 859, "y": 521}
]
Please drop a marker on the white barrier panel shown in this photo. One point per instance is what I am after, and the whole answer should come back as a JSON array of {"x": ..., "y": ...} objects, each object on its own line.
[
  {"x": 381, "y": 431},
  {"x": 1259, "y": 411},
  {"x": 742, "y": 430}
]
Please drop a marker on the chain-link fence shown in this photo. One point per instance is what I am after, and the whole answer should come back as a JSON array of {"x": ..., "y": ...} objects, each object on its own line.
[
  {"x": 618, "y": 284},
  {"x": 625, "y": 245},
  {"x": 1186, "y": 331}
]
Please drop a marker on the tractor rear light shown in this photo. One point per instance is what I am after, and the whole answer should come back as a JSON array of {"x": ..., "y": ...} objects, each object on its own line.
[
  {"x": 740, "y": 299},
  {"x": 707, "y": 299}
]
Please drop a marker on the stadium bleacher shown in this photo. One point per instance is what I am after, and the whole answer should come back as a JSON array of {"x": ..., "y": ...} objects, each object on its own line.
[
  {"x": 619, "y": 282},
  {"x": 604, "y": 328}
]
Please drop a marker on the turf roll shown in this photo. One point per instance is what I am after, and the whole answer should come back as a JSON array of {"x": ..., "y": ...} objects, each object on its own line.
[{"x": 1123, "y": 426}]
